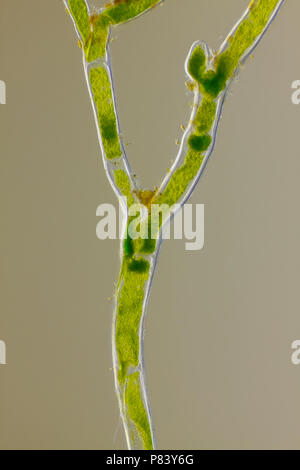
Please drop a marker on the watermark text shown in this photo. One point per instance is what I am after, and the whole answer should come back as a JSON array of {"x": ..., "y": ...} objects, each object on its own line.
[
  {"x": 2, "y": 92},
  {"x": 187, "y": 223},
  {"x": 296, "y": 94},
  {"x": 2, "y": 353},
  {"x": 295, "y": 358}
]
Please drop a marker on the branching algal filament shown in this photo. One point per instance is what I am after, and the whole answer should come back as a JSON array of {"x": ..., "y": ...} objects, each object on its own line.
[{"x": 209, "y": 76}]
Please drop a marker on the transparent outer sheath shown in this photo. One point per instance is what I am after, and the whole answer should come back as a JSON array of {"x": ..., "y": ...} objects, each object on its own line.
[
  {"x": 197, "y": 101},
  {"x": 134, "y": 444},
  {"x": 110, "y": 167},
  {"x": 122, "y": 163}
]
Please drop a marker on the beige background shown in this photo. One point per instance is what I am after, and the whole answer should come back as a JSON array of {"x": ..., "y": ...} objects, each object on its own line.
[{"x": 221, "y": 321}]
